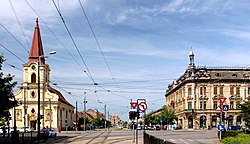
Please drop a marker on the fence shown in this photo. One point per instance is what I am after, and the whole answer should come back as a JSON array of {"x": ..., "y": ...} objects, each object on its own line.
[{"x": 149, "y": 139}]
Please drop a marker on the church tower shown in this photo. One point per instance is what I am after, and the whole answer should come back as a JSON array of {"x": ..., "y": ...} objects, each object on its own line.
[{"x": 55, "y": 110}]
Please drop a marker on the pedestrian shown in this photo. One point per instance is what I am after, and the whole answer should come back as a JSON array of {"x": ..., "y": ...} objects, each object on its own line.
[{"x": 4, "y": 130}]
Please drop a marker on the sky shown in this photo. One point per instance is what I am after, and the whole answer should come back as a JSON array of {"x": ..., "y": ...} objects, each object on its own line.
[{"x": 112, "y": 51}]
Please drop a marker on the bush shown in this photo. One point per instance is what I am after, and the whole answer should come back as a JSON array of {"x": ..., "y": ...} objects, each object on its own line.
[
  {"x": 241, "y": 138},
  {"x": 225, "y": 134}
]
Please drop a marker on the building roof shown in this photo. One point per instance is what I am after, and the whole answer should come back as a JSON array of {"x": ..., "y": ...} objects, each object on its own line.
[
  {"x": 210, "y": 74},
  {"x": 36, "y": 46},
  {"x": 61, "y": 98}
]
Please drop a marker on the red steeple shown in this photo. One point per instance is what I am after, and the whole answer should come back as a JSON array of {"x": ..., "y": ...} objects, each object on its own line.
[{"x": 37, "y": 46}]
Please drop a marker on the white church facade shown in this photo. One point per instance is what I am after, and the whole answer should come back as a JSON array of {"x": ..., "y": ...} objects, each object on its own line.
[{"x": 55, "y": 110}]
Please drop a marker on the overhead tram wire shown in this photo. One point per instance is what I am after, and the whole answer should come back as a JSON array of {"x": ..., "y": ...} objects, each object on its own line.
[
  {"x": 89, "y": 74},
  {"x": 97, "y": 42},
  {"x": 54, "y": 35},
  {"x": 12, "y": 53},
  {"x": 14, "y": 37},
  {"x": 13, "y": 9}
]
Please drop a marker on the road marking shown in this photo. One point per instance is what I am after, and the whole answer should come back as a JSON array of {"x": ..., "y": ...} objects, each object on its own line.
[
  {"x": 190, "y": 140},
  {"x": 183, "y": 140},
  {"x": 172, "y": 140}
]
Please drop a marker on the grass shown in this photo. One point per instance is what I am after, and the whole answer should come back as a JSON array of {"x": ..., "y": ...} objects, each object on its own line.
[{"x": 241, "y": 138}]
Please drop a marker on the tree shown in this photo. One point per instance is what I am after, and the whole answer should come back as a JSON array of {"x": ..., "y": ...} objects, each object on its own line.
[
  {"x": 245, "y": 112},
  {"x": 152, "y": 119},
  {"x": 6, "y": 93},
  {"x": 168, "y": 116}
]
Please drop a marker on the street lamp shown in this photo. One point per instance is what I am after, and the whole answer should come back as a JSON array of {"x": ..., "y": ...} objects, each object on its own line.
[
  {"x": 85, "y": 110},
  {"x": 38, "y": 88}
]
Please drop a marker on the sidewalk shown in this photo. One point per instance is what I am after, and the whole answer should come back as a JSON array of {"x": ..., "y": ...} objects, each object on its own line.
[{"x": 4, "y": 140}]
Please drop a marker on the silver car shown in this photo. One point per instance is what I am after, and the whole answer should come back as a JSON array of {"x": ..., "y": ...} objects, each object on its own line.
[{"x": 52, "y": 132}]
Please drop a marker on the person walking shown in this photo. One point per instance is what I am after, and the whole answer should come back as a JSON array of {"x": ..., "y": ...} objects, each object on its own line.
[{"x": 4, "y": 130}]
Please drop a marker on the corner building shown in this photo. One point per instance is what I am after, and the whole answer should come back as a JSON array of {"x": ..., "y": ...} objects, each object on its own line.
[
  {"x": 57, "y": 112},
  {"x": 195, "y": 95}
]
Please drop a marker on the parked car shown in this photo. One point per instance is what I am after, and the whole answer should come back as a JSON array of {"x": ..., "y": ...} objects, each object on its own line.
[
  {"x": 44, "y": 133},
  {"x": 27, "y": 129},
  {"x": 52, "y": 132},
  {"x": 156, "y": 127},
  {"x": 234, "y": 128}
]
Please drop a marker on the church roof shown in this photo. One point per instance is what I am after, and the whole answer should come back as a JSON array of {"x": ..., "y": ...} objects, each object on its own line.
[
  {"x": 36, "y": 49},
  {"x": 61, "y": 98}
]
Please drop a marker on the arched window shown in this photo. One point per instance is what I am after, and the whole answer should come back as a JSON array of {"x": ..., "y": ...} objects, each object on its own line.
[
  {"x": 203, "y": 120},
  {"x": 190, "y": 122},
  {"x": 214, "y": 121},
  {"x": 33, "y": 78}
]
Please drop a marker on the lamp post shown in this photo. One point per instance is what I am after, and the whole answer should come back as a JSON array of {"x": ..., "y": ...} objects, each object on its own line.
[
  {"x": 84, "y": 102},
  {"x": 38, "y": 89}
]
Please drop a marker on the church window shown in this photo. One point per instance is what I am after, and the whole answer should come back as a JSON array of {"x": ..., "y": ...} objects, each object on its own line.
[
  {"x": 33, "y": 78},
  {"x": 33, "y": 94}
]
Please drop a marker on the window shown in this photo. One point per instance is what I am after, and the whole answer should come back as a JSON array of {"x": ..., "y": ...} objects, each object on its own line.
[
  {"x": 238, "y": 90},
  {"x": 215, "y": 104},
  {"x": 215, "y": 90},
  {"x": 221, "y": 90},
  {"x": 33, "y": 78},
  {"x": 201, "y": 90},
  {"x": 248, "y": 91},
  {"x": 201, "y": 104},
  {"x": 189, "y": 105},
  {"x": 231, "y": 90},
  {"x": 189, "y": 92},
  {"x": 205, "y": 104},
  {"x": 231, "y": 105},
  {"x": 66, "y": 114}
]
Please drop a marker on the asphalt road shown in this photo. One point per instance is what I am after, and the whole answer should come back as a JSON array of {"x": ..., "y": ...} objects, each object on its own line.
[{"x": 126, "y": 137}]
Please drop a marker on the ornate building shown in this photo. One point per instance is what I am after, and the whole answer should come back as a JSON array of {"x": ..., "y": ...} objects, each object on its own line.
[
  {"x": 56, "y": 111},
  {"x": 195, "y": 95}
]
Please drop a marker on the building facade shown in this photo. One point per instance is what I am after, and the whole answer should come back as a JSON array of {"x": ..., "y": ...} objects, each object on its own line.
[
  {"x": 56, "y": 111},
  {"x": 195, "y": 95}
]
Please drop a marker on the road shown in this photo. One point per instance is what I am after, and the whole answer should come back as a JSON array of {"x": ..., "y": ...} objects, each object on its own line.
[{"x": 126, "y": 137}]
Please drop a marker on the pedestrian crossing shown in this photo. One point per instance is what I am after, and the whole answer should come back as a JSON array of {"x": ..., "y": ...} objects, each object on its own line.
[{"x": 189, "y": 141}]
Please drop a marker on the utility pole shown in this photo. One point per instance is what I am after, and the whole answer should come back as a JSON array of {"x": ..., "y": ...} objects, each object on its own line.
[
  {"x": 76, "y": 117},
  {"x": 105, "y": 115},
  {"x": 24, "y": 108},
  {"x": 84, "y": 102},
  {"x": 50, "y": 113}
]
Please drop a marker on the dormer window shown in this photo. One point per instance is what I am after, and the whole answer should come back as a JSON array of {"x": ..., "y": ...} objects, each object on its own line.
[
  {"x": 234, "y": 75},
  {"x": 218, "y": 75}
]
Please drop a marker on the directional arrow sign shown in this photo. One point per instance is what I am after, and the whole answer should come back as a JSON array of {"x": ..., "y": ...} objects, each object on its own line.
[
  {"x": 133, "y": 104},
  {"x": 218, "y": 108},
  {"x": 222, "y": 100}
]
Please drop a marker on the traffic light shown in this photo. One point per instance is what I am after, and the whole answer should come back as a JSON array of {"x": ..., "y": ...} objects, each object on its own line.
[{"x": 132, "y": 115}]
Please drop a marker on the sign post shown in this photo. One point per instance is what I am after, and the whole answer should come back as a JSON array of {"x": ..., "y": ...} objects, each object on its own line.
[{"x": 222, "y": 107}]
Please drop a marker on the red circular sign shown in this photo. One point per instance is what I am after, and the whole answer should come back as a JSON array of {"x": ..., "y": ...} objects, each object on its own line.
[{"x": 142, "y": 106}]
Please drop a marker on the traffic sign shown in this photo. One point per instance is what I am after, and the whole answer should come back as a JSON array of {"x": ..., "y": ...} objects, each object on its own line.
[
  {"x": 221, "y": 127},
  {"x": 133, "y": 104},
  {"x": 225, "y": 107},
  {"x": 222, "y": 100},
  {"x": 142, "y": 106},
  {"x": 218, "y": 108}
]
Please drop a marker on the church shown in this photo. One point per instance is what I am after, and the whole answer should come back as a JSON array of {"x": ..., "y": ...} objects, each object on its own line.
[{"x": 55, "y": 110}]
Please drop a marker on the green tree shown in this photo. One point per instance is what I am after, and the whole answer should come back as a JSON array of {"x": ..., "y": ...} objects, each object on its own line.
[
  {"x": 245, "y": 112},
  {"x": 168, "y": 116},
  {"x": 152, "y": 119},
  {"x": 6, "y": 93}
]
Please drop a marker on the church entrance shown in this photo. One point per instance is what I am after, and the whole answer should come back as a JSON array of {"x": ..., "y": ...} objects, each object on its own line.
[{"x": 33, "y": 124}]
